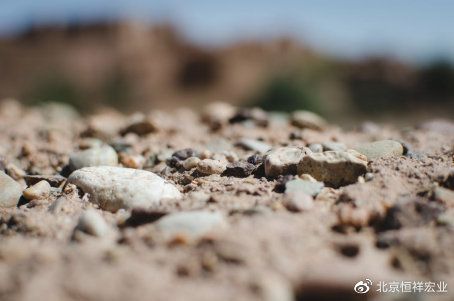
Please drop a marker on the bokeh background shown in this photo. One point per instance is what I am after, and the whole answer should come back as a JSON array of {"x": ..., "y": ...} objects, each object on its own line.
[{"x": 347, "y": 60}]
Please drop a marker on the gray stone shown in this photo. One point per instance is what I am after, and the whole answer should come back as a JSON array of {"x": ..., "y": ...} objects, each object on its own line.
[
  {"x": 254, "y": 145},
  {"x": 40, "y": 190},
  {"x": 316, "y": 147},
  {"x": 307, "y": 187},
  {"x": 334, "y": 168},
  {"x": 309, "y": 120},
  {"x": 190, "y": 163},
  {"x": 380, "y": 149},
  {"x": 91, "y": 222},
  {"x": 283, "y": 160},
  {"x": 191, "y": 223},
  {"x": 333, "y": 146},
  {"x": 97, "y": 156},
  {"x": 210, "y": 166},
  {"x": 113, "y": 188},
  {"x": 10, "y": 191}
]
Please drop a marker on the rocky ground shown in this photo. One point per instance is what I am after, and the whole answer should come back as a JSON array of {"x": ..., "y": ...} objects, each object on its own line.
[{"x": 231, "y": 204}]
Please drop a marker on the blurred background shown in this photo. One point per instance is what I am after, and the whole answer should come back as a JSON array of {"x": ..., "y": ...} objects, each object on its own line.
[{"x": 347, "y": 60}]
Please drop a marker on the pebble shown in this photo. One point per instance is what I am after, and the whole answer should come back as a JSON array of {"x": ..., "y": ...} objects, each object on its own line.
[
  {"x": 185, "y": 153},
  {"x": 15, "y": 172},
  {"x": 210, "y": 166},
  {"x": 380, "y": 149},
  {"x": 309, "y": 120},
  {"x": 190, "y": 163},
  {"x": 297, "y": 200},
  {"x": 316, "y": 147},
  {"x": 191, "y": 223},
  {"x": 254, "y": 145},
  {"x": 444, "y": 195},
  {"x": 307, "y": 187},
  {"x": 10, "y": 191},
  {"x": 217, "y": 114},
  {"x": 334, "y": 146},
  {"x": 334, "y": 168},
  {"x": 40, "y": 190},
  {"x": 139, "y": 124},
  {"x": 97, "y": 156},
  {"x": 54, "y": 180},
  {"x": 91, "y": 222},
  {"x": 240, "y": 169},
  {"x": 113, "y": 188},
  {"x": 283, "y": 160}
]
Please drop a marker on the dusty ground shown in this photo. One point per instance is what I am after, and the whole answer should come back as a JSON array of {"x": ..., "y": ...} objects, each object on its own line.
[{"x": 395, "y": 225}]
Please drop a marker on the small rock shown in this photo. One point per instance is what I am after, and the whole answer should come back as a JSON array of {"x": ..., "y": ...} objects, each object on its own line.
[
  {"x": 210, "y": 166},
  {"x": 380, "y": 149},
  {"x": 334, "y": 168},
  {"x": 190, "y": 163},
  {"x": 40, "y": 190},
  {"x": 98, "y": 156},
  {"x": 139, "y": 124},
  {"x": 113, "y": 188},
  {"x": 240, "y": 169},
  {"x": 217, "y": 114},
  {"x": 10, "y": 191},
  {"x": 368, "y": 176},
  {"x": 316, "y": 148},
  {"x": 91, "y": 222},
  {"x": 255, "y": 159},
  {"x": 192, "y": 223},
  {"x": 309, "y": 120},
  {"x": 444, "y": 195},
  {"x": 88, "y": 142},
  {"x": 185, "y": 153},
  {"x": 131, "y": 161},
  {"x": 297, "y": 200},
  {"x": 15, "y": 172},
  {"x": 254, "y": 145},
  {"x": 257, "y": 115},
  {"x": 334, "y": 146},
  {"x": 54, "y": 181},
  {"x": 304, "y": 186},
  {"x": 283, "y": 160}
]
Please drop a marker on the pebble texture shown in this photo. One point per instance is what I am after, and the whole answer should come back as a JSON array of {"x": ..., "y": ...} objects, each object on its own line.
[
  {"x": 10, "y": 191},
  {"x": 113, "y": 188},
  {"x": 334, "y": 168},
  {"x": 97, "y": 156},
  {"x": 380, "y": 149},
  {"x": 307, "y": 187},
  {"x": 91, "y": 222}
]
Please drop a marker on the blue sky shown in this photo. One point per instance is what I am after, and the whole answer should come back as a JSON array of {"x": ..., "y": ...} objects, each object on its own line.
[{"x": 409, "y": 29}]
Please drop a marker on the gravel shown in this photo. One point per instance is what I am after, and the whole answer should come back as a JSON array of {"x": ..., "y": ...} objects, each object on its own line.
[{"x": 10, "y": 191}]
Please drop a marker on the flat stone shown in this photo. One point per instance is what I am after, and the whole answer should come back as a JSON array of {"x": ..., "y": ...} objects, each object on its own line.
[
  {"x": 139, "y": 124},
  {"x": 380, "y": 149},
  {"x": 309, "y": 120},
  {"x": 254, "y": 145},
  {"x": 333, "y": 168},
  {"x": 283, "y": 160},
  {"x": 316, "y": 147},
  {"x": 10, "y": 191},
  {"x": 191, "y": 223},
  {"x": 210, "y": 166},
  {"x": 308, "y": 187},
  {"x": 240, "y": 169},
  {"x": 334, "y": 146},
  {"x": 40, "y": 190},
  {"x": 91, "y": 222},
  {"x": 113, "y": 188},
  {"x": 97, "y": 156},
  {"x": 54, "y": 180}
]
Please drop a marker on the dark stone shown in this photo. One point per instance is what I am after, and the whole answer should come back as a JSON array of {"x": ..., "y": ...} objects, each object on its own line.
[
  {"x": 255, "y": 159},
  {"x": 185, "y": 153},
  {"x": 142, "y": 216},
  {"x": 54, "y": 181},
  {"x": 240, "y": 169}
]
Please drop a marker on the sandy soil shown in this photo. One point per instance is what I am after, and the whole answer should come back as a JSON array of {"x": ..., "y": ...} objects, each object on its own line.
[{"x": 395, "y": 224}]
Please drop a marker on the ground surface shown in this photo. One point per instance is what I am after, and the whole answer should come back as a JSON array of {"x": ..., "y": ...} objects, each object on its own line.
[{"x": 395, "y": 224}]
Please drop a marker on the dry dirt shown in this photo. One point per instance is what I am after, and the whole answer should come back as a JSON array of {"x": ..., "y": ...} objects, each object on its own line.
[{"x": 396, "y": 225}]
